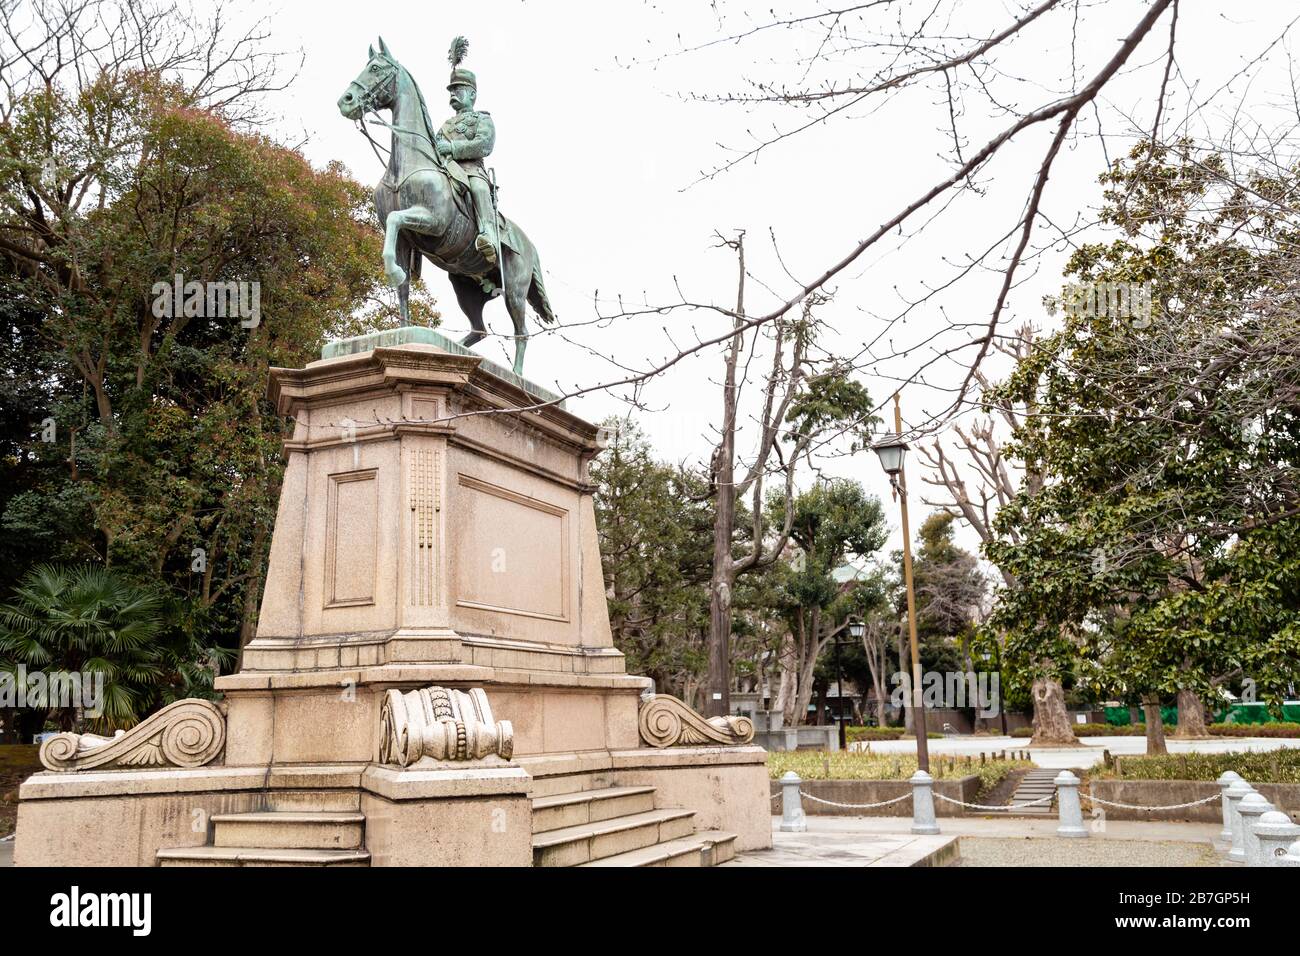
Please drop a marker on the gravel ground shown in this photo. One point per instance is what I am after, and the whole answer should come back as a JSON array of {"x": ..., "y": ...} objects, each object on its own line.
[{"x": 1048, "y": 851}]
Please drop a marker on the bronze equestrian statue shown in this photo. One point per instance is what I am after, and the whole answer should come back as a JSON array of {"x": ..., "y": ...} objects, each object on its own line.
[{"x": 437, "y": 202}]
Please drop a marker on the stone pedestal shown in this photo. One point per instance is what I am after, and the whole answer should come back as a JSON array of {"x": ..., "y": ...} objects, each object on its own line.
[{"x": 435, "y": 527}]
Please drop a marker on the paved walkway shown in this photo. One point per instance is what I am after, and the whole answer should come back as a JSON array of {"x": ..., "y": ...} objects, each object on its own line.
[
  {"x": 1090, "y": 751},
  {"x": 887, "y": 841},
  {"x": 1054, "y": 851},
  {"x": 825, "y": 846},
  {"x": 6, "y": 852},
  {"x": 1020, "y": 827}
]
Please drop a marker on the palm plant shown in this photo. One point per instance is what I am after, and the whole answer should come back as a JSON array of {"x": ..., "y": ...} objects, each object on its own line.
[{"x": 87, "y": 619}]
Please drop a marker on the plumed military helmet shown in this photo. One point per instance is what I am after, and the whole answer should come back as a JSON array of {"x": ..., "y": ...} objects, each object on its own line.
[{"x": 459, "y": 75}]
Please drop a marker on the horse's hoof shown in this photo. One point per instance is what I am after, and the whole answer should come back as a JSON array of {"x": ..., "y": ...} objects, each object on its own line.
[{"x": 396, "y": 276}]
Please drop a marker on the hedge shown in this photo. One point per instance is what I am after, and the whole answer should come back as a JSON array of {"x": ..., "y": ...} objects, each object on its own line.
[
  {"x": 1093, "y": 730},
  {"x": 1139, "y": 730},
  {"x": 1274, "y": 766},
  {"x": 1256, "y": 730},
  {"x": 845, "y": 765},
  {"x": 854, "y": 734}
]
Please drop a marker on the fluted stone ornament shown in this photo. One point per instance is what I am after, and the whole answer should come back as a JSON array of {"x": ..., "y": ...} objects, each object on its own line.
[
  {"x": 441, "y": 724},
  {"x": 188, "y": 733},
  {"x": 667, "y": 722}
]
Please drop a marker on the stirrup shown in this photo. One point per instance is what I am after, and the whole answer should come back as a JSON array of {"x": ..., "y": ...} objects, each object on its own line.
[{"x": 485, "y": 248}]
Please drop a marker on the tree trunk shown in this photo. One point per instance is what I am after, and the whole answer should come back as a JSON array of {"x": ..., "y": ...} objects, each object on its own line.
[
  {"x": 1052, "y": 726},
  {"x": 909, "y": 723},
  {"x": 1191, "y": 714},
  {"x": 787, "y": 687},
  {"x": 1155, "y": 727},
  {"x": 718, "y": 690},
  {"x": 875, "y": 665}
]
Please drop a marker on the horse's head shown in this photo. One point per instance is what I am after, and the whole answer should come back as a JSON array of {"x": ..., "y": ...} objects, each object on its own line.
[{"x": 375, "y": 86}]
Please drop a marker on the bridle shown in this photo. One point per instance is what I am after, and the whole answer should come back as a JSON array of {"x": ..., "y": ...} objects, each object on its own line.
[{"x": 369, "y": 103}]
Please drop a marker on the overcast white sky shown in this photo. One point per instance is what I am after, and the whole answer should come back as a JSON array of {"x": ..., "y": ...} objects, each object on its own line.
[{"x": 596, "y": 162}]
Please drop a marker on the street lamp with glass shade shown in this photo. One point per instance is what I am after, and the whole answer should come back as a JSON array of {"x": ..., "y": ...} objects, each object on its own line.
[{"x": 891, "y": 449}]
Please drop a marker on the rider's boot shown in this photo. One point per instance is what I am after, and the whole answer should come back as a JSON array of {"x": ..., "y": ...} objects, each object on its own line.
[{"x": 486, "y": 243}]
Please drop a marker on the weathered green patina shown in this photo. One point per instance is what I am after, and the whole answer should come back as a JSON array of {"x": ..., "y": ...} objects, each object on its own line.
[
  {"x": 420, "y": 335},
  {"x": 436, "y": 199}
]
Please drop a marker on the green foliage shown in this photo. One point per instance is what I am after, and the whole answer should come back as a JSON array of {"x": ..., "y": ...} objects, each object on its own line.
[
  {"x": 656, "y": 541},
  {"x": 1162, "y": 551},
  {"x": 1274, "y": 766},
  {"x": 846, "y": 765},
  {"x": 857, "y": 733},
  {"x": 830, "y": 523},
  {"x": 165, "y": 463},
  {"x": 1094, "y": 730},
  {"x": 1277, "y": 729},
  {"x": 92, "y": 620}
]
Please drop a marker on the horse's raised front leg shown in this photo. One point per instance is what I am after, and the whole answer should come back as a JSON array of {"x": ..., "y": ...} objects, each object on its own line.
[{"x": 413, "y": 219}]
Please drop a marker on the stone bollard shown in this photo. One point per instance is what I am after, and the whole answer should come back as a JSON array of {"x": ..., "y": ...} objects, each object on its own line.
[
  {"x": 1252, "y": 807},
  {"x": 923, "y": 820},
  {"x": 1226, "y": 780},
  {"x": 1292, "y": 857},
  {"x": 792, "y": 818},
  {"x": 1236, "y": 792},
  {"x": 1274, "y": 833},
  {"x": 1067, "y": 802}
]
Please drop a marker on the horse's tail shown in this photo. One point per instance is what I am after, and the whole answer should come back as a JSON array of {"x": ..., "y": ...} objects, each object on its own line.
[{"x": 537, "y": 295}]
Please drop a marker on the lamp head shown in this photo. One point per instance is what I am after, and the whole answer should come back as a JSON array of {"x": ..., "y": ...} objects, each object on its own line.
[{"x": 891, "y": 450}]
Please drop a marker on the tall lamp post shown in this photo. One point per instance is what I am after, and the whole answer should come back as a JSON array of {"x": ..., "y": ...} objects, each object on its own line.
[
  {"x": 839, "y": 693},
  {"x": 891, "y": 450},
  {"x": 856, "y": 628}
]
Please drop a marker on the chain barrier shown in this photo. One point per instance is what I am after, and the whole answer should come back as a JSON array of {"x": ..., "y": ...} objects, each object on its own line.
[
  {"x": 1011, "y": 806},
  {"x": 1130, "y": 806},
  {"x": 856, "y": 806}
]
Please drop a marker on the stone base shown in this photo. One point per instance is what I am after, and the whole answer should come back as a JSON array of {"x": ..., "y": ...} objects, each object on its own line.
[
  {"x": 333, "y": 716},
  {"x": 449, "y": 816},
  {"x": 726, "y": 787},
  {"x": 436, "y": 527},
  {"x": 461, "y": 817}
]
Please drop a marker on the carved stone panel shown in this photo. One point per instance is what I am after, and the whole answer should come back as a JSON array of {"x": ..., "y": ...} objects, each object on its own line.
[
  {"x": 514, "y": 552},
  {"x": 352, "y": 529}
]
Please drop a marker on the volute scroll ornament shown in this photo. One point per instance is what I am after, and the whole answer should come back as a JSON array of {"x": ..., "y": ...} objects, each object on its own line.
[
  {"x": 187, "y": 734},
  {"x": 667, "y": 722},
  {"x": 442, "y": 724}
]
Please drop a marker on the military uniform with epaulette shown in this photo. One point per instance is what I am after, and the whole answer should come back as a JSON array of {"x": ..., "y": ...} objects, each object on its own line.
[{"x": 469, "y": 137}]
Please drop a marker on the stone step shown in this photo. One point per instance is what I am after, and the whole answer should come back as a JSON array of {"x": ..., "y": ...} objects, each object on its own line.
[
  {"x": 574, "y": 845},
  {"x": 260, "y": 856},
  {"x": 708, "y": 848},
  {"x": 314, "y": 800},
  {"x": 589, "y": 806},
  {"x": 282, "y": 829}
]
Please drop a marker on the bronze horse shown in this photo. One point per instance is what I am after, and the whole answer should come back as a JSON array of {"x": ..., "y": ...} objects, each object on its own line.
[{"x": 427, "y": 215}]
